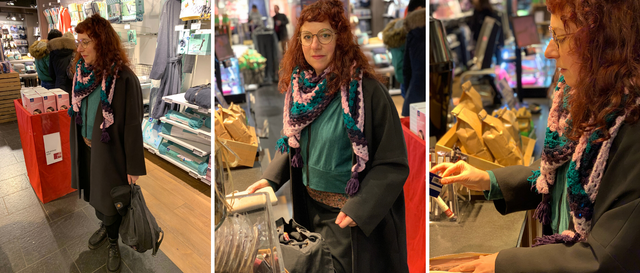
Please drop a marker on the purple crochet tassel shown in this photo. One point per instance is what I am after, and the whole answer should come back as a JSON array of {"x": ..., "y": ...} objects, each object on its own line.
[
  {"x": 296, "y": 161},
  {"x": 105, "y": 136},
  {"x": 543, "y": 211},
  {"x": 556, "y": 239},
  {"x": 78, "y": 119},
  {"x": 353, "y": 185}
]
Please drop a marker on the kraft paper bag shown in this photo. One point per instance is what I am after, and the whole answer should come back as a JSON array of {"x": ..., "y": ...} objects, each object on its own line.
[
  {"x": 524, "y": 119},
  {"x": 511, "y": 127},
  {"x": 502, "y": 147},
  {"x": 470, "y": 98},
  {"x": 239, "y": 112},
  {"x": 236, "y": 128},
  {"x": 220, "y": 131},
  {"x": 469, "y": 131}
]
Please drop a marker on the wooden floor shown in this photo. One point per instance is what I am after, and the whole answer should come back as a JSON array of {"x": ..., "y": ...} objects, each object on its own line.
[{"x": 182, "y": 207}]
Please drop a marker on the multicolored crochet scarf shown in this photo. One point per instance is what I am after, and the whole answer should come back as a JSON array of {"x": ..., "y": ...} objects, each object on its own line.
[
  {"x": 307, "y": 98},
  {"x": 84, "y": 83},
  {"x": 586, "y": 167}
]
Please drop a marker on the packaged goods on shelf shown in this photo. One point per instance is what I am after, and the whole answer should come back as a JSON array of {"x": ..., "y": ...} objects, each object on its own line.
[
  {"x": 524, "y": 121},
  {"x": 469, "y": 131},
  {"x": 151, "y": 132},
  {"x": 418, "y": 118},
  {"x": 193, "y": 122},
  {"x": 510, "y": 123},
  {"x": 171, "y": 130},
  {"x": 234, "y": 125},
  {"x": 500, "y": 143},
  {"x": 470, "y": 98},
  {"x": 34, "y": 104},
  {"x": 185, "y": 157},
  {"x": 62, "y": 99},
  {"x": 48, "y": 102}
]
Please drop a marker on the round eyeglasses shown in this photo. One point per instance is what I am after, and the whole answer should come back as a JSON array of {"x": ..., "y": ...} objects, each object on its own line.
[
  {"x": 83, "y": 43},
  {"x": 325, "y": 36},
  {"x": 558, "y": 39}
]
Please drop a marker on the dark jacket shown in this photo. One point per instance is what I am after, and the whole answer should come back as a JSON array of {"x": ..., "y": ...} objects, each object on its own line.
[
  {"x": 122, "y": 155},
  {"x": 40, "y": 52},
  {"x": 394, "y": 36},
  {"x": 281, "y": 30},
  {"x": 379, "y": 241},
  {"x": 415, "y": 63},
  {"x": 62, "y": 51},
  {"x": 612, "y": 243}
]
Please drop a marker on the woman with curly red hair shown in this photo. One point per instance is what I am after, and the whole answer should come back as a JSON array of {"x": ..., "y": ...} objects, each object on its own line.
[
  {"x": 585, "y": 188},
  {"x": 106, "y": 132},
  {"x": 343, "y": 147}
]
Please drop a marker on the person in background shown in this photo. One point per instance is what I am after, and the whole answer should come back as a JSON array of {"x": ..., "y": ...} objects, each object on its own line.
[
  {"x": 343, "y": 148},
  {"x": 61, "y": 53},
  {"x": 280, "y": 22},
  {"x": 394, "y": 37},
  {"x": 106, "y": 128},
  {"x": 585, "y": 187},
  {"x": 40, "y": 52},
  {"x": 414, "y": 69},
  {"x": 483, "y": 9},
  {"x": 255, "y": 18}
]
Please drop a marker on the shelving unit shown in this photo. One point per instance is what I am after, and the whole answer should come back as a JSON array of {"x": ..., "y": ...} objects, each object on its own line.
[
  {"x": 203, "y": 132},
  {"x": 179, "y": 99},
  {"x": 197, "y": 148},
  {"x": 174, "y": 162}
]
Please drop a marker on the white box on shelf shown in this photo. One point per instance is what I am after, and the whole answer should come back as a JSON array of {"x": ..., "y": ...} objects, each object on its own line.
[{"x": 418, "y": 118}]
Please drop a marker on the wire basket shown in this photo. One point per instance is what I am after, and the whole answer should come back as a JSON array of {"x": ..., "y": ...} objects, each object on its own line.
[{"x": 143, "y": 71}]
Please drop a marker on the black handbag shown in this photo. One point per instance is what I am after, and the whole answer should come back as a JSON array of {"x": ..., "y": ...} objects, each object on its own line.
[{"x": 302, "y": 250}]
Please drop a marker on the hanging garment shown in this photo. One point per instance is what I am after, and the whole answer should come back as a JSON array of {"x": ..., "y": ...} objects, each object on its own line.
[
  {"x": 65, "y": 20},
  {"x": 266, "y": 43}
]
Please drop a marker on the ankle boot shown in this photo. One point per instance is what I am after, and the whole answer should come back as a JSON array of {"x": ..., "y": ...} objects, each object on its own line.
[
  {"x": 113, "y": 260},
  {"x": 98, "y": 238}
]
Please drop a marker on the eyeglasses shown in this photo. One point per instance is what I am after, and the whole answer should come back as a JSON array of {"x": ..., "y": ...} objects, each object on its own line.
[
  {"x": 558, "y": 39},
  {"x": 83, "y": 42},
  {"x": 325, "y": 36}
]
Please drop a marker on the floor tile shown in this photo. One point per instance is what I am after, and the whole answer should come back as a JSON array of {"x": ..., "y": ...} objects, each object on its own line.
[
  {"x": 8, "y": 126},
  {"x": 123, "y": 269},
  {"x": 12, "y": 170},
  {"x": 14, "y": 144},
  {"x": 20, "y": 200},
  {"x": 19, "y": 155},
  {"x": 145, "y": 262},
  {"x": 11, "y": 259},
  {"x": 91, "y": 214},
  {"x": 21, "y": 222},
  {"x": 3, "y": 209},
  {"x": 11, "y": 133},
  {"x": 58, "y": 261},
  {"x": 64, "y": 206},
  {"x": 87, "y": 260},
  {"x": 37, "y": 244},
  {"x": 7, "y": 160},
  {"x": 69, "y": 228},
  {"x": 13, "y": 185}
]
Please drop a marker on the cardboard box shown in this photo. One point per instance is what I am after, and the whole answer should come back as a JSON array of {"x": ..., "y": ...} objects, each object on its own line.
[
  {"x": 49, "y": 102},
  {"x": 23, "y": 94},
  {"x": 34, "y": 104},
  {"x": 418, "y": 118},
  {"x": 450, "y": 139},
  {"x": 245, "y": 151},
  {"x": 62, "y": 99}
]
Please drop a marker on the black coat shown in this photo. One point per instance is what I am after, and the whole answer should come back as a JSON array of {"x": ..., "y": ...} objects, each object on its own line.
[
  {"x": 62, "y": 51},
  {"x": 414, "y": 67},
  {"x": 379, "y": 241},
  {"x": 122, "y": 155},
  {"x": 613, "y": 242}
]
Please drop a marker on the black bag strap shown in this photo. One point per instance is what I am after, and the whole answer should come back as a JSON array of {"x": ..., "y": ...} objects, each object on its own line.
[{"x": 147, "y": 214}]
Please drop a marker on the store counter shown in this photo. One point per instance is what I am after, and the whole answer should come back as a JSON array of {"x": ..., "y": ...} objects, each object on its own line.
[{"x": 481, "y": 229}]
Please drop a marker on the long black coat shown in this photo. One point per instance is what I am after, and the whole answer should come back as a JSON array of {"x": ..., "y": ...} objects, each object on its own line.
[
  {"x": 415, "y": 64},
  {"x": 613, "y": 242},
  {"x": 62, "y": 51},
  {"x": 379, "y": 241},
  {"x": 122, "y": 155}
]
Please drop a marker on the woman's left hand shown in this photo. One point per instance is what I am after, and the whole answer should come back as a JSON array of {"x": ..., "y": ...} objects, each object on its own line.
[
  {"x": 343, "y": 220},
  {"x": 132, "y": 179},
  {"x": 486, "y": 264}
]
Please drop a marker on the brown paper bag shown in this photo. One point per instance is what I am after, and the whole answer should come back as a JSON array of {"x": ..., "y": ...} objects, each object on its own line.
[
  {"x": 523, "y": 116},
  {"x": 470, "y": 98},
  {"x": 236, "y": 128},
  {"x": 469, "y": 131},
  {"x": 510, "y": 123},
  {"x": 240, "y": 113},
  {"x": 220, "y": 131},
  {"x": 502, "y": 147}
]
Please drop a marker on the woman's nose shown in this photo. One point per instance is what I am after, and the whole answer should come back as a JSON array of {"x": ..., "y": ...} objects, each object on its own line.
[
  {"x": 552, "y": 50},
  {"x": 315, "y": 43}
]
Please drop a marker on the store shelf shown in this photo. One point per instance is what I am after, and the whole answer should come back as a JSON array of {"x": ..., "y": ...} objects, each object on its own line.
[
  {"x": 22, "y": 61},
  {"x": 364, "y": 17},
  {"x": 191, "y": 172},
  {"x": 204, "y": 132},
  {"x": 179, "y": 99},
  {"x": 198, "y": 149}
]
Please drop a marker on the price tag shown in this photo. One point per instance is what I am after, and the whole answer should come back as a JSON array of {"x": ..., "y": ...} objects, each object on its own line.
[
  {"x": 179, "y": 27},
  {"x": 196, "y": 26},
  {"x": 127, "y": 26}
]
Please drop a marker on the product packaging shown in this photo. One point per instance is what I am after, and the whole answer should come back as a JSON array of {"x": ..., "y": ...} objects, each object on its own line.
[
  {"x": 469, "y": 131},
  {"x": 470, "y": 98},
  {"x": 500, "y": 143},
  {"x": 510, "y": 122},
  {"x": 221, "y": 132},
  {"x": 235, "y": 126},
  {"x": 49, "y": 102},
  {"x": 62, "y": 99},
  {"x": 418, "y": 118},
  {"x": 200, "y": 44},
  {"x": 523, "y": 116},
  {"x": 34, "y": 104}
]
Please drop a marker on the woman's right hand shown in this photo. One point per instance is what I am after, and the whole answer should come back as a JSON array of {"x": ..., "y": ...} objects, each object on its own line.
[
  {"x": 258, "y": 185},
  {"x": 465, "y": 174}
]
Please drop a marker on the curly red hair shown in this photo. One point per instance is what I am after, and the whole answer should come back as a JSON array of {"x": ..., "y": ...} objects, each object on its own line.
[
  {"x": 606, "y": 42},
  {"x": 106, "y": 43},
  {"x": 347, "y": 51}
]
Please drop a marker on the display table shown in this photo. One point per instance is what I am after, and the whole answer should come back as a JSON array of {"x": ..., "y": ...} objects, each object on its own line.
[
  {"x": 48, "y": 181},
  {"x": 415, "y": 199}
]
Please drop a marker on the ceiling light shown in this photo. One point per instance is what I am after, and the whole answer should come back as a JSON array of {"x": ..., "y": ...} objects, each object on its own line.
[
  {"x": 10, "y": 3},
  {"x": 13, "y": 17}
]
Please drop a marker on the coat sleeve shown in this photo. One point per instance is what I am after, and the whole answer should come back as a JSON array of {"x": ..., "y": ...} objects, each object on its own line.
[
  {"x": 52, "y": 71},
  {"x": 388, "y": 166},
  {"x": 58, "y": 69},
  {"x": 278, "y": 170},
  {"x": 515, "y": 188},
  {"x": 133, "y": 147},
  {"x": 612, "y": 244}
]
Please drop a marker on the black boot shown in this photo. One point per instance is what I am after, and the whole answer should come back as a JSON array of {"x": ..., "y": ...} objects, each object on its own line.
[
  {"x": 113, "y": 260},
  {"x": 98, "y": 238}
]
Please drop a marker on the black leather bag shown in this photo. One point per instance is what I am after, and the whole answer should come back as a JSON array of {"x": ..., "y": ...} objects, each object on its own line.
[
  {"x": 302, "y": 250},
  {"x": 139, "y": 229}
]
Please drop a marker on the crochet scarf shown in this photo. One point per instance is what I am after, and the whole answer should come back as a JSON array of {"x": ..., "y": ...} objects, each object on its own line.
[
  {"x": 306, "y": 99},
  {"x": 586, "y": 159},
  {"x": 84, "y": 83}
]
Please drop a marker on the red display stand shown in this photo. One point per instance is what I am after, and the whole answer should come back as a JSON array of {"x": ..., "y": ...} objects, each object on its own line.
[
  {"x": 415, "y": 200},
  {"x": 48, "y": 181}
]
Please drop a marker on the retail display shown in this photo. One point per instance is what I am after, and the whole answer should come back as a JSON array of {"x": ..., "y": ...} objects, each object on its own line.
[
  {"x": 469, "y": 131},
  {"x": 114, "y": 11},
  {"x": 151, "y": 132},
  {"x": 14, "y": 41},
  {"x": 418, "y": 118},
  {"x": 34, "y": 104},
  {"x": 9, "y": 91},
  {"x": 195, "y": 9},
  {"x": 510, "y": 123},
  {"x": 252, "y": 65},
  {"x": 183, "y": 118},
  {"x": 500, "y": 143},
  {"x": 184, "y": 156},
  {"x": 470, "y": 98},
  {"x": 200, "y": 44},
  {"x": 231, "y": 129},
  {"x": 199, "y": 95},
  {"x": 524, "y": 121},
  {"x": 48, "y": 102},
  {"x": 62, "y": 99},
  {"x": 175, "y": 131}
]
